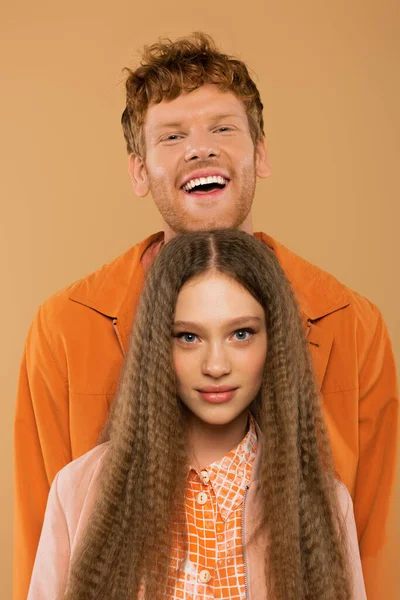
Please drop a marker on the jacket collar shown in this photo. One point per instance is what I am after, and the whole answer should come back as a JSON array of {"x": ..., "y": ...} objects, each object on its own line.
[
  {"x": 317, "y": 292},
  {"x": 107, "y": 289}
]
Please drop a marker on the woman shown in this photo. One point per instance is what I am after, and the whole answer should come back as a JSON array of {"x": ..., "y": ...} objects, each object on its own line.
[{"x": 216, "y": 480}]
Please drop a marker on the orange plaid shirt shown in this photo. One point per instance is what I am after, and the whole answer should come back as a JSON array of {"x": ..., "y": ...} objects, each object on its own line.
[{"x": 214, "y": 565}]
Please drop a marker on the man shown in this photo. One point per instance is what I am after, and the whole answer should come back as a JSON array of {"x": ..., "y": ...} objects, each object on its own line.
[{"x": 194, "y": 130}]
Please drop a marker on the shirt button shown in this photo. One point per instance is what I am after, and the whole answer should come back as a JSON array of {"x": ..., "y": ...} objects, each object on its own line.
[
  {"x": 204, "y": 576},
  {"x": 205, "y": 477},
  {"x": 201, "y": 498}
]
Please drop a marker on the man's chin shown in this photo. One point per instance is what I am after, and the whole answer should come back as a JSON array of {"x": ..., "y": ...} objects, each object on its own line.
[
  {"x": 210, "y": 224},
  {"x": 205, "y": 227}
]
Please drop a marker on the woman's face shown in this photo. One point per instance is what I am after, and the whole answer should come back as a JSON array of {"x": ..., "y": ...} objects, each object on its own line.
[{"x": 219, "y": 347}]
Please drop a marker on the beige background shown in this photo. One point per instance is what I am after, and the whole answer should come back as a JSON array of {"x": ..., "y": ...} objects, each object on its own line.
[{"x": 329, "y": 77}]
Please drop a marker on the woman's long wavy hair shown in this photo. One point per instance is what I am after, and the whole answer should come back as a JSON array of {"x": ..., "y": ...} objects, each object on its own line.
[{"x": 128, "y": 540}]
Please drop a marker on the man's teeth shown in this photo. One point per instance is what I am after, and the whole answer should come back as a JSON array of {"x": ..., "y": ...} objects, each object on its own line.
[{"x": 203, "y": 181}]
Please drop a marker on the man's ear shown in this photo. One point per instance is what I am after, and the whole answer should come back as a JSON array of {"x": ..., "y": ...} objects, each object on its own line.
[
  {"x": 262, "y": 165},
  {"x": 138, "y": 174}
]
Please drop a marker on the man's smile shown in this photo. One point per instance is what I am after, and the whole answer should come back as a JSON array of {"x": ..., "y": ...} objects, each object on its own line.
[{"x": 205, "y": 182}]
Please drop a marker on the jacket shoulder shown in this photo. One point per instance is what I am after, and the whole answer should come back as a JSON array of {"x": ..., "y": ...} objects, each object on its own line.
[
  {"x": 102, "y": 290},
  {"x": 76, "y": 481},
  {"x": 114, "y": 273},
  {"x": 318, "y": 292}
]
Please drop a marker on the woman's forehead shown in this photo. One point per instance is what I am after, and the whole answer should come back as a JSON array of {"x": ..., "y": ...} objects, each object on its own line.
[{"x": 214, "y": 297}]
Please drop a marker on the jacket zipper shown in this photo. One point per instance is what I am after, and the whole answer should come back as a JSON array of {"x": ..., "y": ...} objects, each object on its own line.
[
  {"x": 246, "y": 581},
  {"x": 114, "y": 322}
]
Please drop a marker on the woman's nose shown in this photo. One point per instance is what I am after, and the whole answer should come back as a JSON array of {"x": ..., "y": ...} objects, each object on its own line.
[{"x": 216, "y": 363}]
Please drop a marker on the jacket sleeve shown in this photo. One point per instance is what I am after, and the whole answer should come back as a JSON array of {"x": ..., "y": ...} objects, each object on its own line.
[
  {"x": 376, "y": 496},
  {"x": 353, "y": 551},
  {"x": 53, "y": 555},
  {"x": 41, "y": 442}
]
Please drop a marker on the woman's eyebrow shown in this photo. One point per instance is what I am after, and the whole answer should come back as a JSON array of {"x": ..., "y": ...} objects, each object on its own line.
[{"x": 245, "y": 320}]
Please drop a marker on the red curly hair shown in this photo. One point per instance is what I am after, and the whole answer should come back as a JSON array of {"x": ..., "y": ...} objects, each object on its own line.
[{"x": 169, "y": 68}]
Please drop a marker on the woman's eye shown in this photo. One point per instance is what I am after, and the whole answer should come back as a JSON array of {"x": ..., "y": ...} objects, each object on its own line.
[
  {"x": 189, "y": 338},
  {"x": 243, "y": 334},
  {"x": 223, "y": 129}
]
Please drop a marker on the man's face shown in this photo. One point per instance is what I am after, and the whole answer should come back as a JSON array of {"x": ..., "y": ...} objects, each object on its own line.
[{"x": 201, "y": 163}]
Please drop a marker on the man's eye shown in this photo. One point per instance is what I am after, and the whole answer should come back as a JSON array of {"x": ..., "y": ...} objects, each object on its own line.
[
  {"x": 223, "y": 129},
  {"x": 243, "y": 334},
  {"x": 172, "y": 137}
]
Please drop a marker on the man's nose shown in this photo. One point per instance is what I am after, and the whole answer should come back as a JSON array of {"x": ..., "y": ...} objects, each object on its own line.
[
  {"x": 201, "y": 147},
  {"x": 216, "y": 362}
]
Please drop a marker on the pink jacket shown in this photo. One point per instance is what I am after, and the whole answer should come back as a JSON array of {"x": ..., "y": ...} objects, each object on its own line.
[{"x": 69, "y": 506}]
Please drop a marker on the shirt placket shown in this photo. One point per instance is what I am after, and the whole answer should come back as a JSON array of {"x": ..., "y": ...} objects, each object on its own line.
[
  {"x": 206, "y": 571},
  {"x": 214, "y": 499}
]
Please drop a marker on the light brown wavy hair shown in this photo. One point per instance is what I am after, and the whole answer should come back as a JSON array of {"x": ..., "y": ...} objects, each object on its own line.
[
  {"x": 169, "y": 68},
  {"x": 142, "y": 482}
]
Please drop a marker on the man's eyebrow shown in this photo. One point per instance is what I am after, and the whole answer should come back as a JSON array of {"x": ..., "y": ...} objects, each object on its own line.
[
  {"x": 245, "y": 320},
  {"x": 178, "y": 124},
  {"x": 168, "y": 124},
  {"x": 223, "y": 116}
]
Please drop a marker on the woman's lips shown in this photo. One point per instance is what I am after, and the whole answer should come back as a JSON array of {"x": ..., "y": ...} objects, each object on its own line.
[{"x": 217, "y": 397}]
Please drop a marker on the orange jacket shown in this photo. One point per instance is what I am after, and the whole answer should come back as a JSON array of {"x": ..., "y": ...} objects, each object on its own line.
[{"x": 70, "y": 370}]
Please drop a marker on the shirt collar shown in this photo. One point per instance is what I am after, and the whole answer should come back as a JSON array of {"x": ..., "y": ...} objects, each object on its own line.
[{"x": 230, "y": 475}]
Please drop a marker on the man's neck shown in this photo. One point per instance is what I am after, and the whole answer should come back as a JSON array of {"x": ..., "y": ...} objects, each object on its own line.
[
  {"x": 210, "y": 443},
  {"x": 246, "y": 226}
]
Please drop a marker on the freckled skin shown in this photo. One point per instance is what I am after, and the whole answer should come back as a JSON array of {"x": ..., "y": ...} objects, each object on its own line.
[{"x": 210, "y": 130}]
